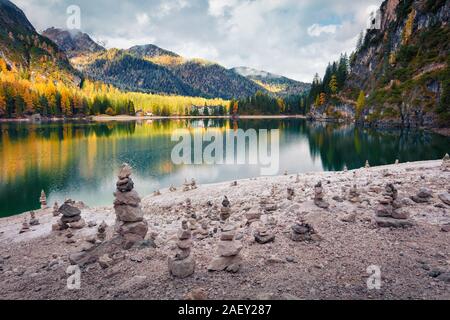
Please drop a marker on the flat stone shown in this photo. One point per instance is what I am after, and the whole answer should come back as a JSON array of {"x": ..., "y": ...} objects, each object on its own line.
[
  {"x": 300, "y": 237},
  {"x": 444, "y": 277},
  {"x": 400, "y": 214},
  {"x": 184, "y": 234},
  {"x": 125, "y": 185},
  {"x": 182, "y": 268},
  {"x": 321, "y": 204},
  {"x": 125, "y": 171},
  {"x": 263, "y": 239},
  {"x": 425, "y": 193},
  {"x": 73, "y": 219},
  {"x": 387, "y": 222},
  {"x": 80, "y": 224},
  {"x": 127, "y": 198},
  {"x": 229, "y": 248},
  {"x": 184, "y": 244},
  {"x": 417, "y": 199},
  {"x": 139, "y": 228},
  {"x": 227, "y": 236},
  {"x": 129, "y": 213},
  {"x": 300, "y": 229},
  {"x": 130, "y": 240},
  {"x": 69, "y": 211},
  {"x": 445, "y": 198},
  {"x": 182, "y": 254},
  {"x": 221, "y": 263},
  {"x": 384, "y": 210}
]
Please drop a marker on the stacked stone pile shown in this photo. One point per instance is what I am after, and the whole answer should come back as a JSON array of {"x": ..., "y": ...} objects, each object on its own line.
[
  {"x": 228, "y": 250},
  {"x": 182, "y": 263},
  {"x": 130, "y": 224}
]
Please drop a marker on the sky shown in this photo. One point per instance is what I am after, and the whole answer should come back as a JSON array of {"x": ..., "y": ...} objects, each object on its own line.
[{"x": 294, "y": 38}]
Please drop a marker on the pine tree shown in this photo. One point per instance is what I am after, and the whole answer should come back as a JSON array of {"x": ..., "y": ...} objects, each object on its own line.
[{"x": 360, "y": 42}]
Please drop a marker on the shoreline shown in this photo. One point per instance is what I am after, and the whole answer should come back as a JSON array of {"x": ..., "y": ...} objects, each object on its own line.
[
  {"x": 104, "y": 119},
  {"x": 334, "y": 267}
]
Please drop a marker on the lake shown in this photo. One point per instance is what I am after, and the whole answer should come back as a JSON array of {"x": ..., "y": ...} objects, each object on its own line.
[{"x": 80, "y": 160}]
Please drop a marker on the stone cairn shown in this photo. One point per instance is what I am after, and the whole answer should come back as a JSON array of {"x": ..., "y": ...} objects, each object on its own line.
[
  {"x": 172, "y": 188},
  {"x": 225, "y": 211},
  {"x": 319, "y": 196},
  {"x": 290, "y": 194},
  {"x": 182, "y": 264},
  {"x": 43, "y": 200},
  {"x": 367, "y": 165},
  {"x": 33, "y": 220},
  {"x": 203, "y": 233},
  {"x": 25, "y": 226},
  {"x": 353, "y": 195},
  {"x": 423, "y": 196},
  {"x": 446, "y": 163},
  {"x": 193, "y": 184},
  {"x": 302, "y": 231},
  {"x": 56, "y": 209},
  {"x": 130, "y": 224},
  {"x": 101, "y": 231},
  {"x": 345, "y": 169},
  {"x": 157, "y": 193},
  {"x": 253, "y": 215},
  {"x": 388, "y": 211},
  {"x": 297, "y": 178},
  {"x": 263, "y": 236},
  {"x": 186, "y": 186},
  {"x": 71, "y": 217},
  {"x": 397, "y": 161},
  {"x": 228, "y": 250}
]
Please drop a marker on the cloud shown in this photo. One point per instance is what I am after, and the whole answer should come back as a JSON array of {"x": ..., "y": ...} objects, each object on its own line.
[
  {"x": 295, "y": 38},
  {"x": 316, "y": 29},
  {"x": 142, "y": 19}
]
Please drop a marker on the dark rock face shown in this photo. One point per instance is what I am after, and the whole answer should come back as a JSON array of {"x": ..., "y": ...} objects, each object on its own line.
[
  {"x": 72, "y": 43},
  {"x": 400, "y": 91}
]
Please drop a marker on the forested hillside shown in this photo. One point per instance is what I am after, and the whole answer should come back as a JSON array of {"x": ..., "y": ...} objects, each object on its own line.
[{"x": 399, "y": 74}]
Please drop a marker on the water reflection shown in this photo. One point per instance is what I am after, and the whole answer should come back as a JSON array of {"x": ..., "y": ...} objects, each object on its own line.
[{"x": 79, "y": 160}]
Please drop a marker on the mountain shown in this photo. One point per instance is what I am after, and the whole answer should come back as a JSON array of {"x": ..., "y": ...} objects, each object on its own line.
[
  {"x": 399, "y": 74},
  {"x": 151, "y": 69},
  {"x": 273, "y": 83},
  {"x": 24, "y": 50},
  {"x": 73, "y": 43}
]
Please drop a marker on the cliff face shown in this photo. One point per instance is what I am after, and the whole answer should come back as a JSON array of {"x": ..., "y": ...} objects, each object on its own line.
[
  {"x": 23, "y": 49},
  {"x": 403, "y": 67}
]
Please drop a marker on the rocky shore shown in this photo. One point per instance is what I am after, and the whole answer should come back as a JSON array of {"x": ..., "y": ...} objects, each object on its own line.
[{"x": 296, "y": 236}]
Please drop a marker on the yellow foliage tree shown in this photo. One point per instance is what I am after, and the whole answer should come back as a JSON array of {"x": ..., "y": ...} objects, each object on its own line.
[
  {"x": 407, "y": 32},
  {"x": 323, "y": 98},
  {"x": 360, "y": 104}
]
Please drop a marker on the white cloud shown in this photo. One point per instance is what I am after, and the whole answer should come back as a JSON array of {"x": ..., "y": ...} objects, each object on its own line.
[
  {"x": 316, "y": 29},
  {"x": 295, "y": 38},
  {"x": 142, "y": 19}
]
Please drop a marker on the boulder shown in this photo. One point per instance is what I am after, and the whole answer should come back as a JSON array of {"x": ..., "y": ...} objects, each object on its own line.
[
  {"x": 229, "y": 248},
  {"x": 127, "y": 198},
  {"x": 129, "y": 213},
  {"x": 222, "y": 263},
  {"x": 388, "y": 222},
  {"x": 182, "y": 268}
]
